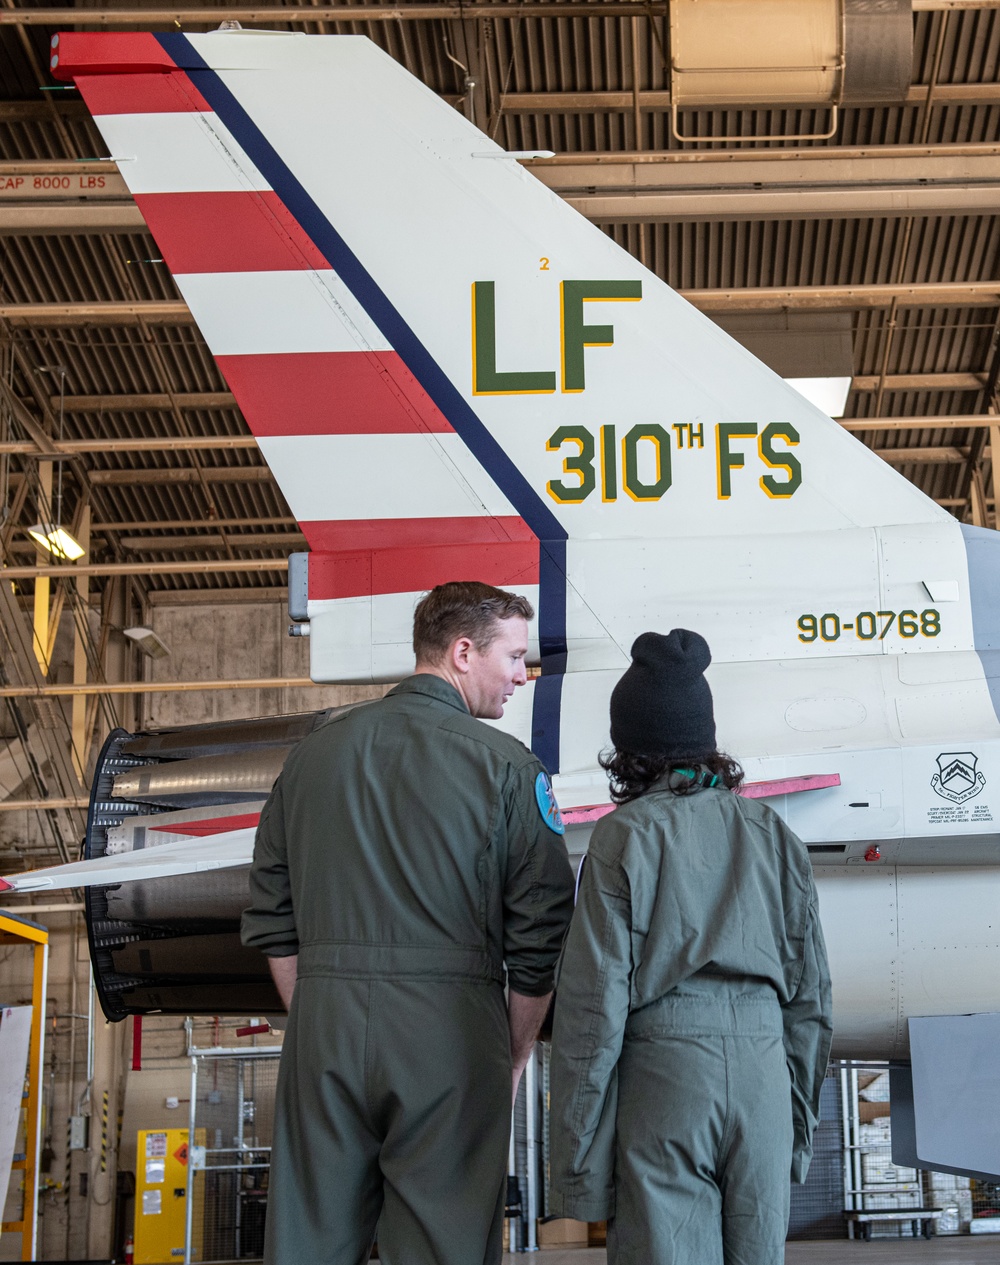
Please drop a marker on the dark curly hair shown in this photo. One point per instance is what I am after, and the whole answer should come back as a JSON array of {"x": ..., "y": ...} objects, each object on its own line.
[{"x": 632, "y": 775}]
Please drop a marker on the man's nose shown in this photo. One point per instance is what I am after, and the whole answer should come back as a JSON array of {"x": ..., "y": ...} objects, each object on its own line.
[{"x": 521, "y": 674}]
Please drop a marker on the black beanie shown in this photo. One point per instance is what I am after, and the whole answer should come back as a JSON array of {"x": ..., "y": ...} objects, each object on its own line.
[{"x": 662, "y": 705}]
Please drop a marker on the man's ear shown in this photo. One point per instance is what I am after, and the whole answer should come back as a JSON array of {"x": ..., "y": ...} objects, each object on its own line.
[{"x": 460, "y": 654}]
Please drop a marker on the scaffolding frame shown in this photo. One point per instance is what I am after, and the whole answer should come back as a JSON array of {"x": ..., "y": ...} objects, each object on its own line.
[
  {"x": 198, "y": 1155},
  {"x": 15, "y": 930}
]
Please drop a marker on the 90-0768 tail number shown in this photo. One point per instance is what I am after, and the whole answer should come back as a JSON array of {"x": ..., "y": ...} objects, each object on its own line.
[{"x": 870, "y": 625}]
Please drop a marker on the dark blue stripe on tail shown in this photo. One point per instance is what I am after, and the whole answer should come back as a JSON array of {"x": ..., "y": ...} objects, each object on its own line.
[
  {"x": 530, "y": 506},
  {"x": 545, "y": 719}
]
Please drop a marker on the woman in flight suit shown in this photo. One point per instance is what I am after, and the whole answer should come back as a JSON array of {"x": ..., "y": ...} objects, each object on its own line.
[{"x": 692, "y": 1024}]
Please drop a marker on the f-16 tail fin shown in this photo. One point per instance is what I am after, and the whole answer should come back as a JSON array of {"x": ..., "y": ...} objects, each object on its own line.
[{"x": 450, "y": 372}]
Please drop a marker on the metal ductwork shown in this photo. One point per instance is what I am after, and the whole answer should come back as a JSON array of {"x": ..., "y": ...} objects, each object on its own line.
[
  {"x": 830, "y": 53},
  {"x": 172, "y": 945}
]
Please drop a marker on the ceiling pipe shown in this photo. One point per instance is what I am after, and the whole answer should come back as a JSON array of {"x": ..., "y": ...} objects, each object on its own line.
[
  {"x": 170, "y": 443},
  {"x": 30, "y": 805},
  {"x": 151, "y": 687},
  {"x": 295, "y": 15},
  {"x": 180, "y": 442},
  {"x": 203, "y": 567},
  {"x": 742, "y": 299}
]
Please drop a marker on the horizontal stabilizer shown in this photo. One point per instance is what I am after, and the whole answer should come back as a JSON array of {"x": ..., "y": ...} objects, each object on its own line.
[
  {"x": 587, "y": 814},
  {"x": 186, "y": 856}
]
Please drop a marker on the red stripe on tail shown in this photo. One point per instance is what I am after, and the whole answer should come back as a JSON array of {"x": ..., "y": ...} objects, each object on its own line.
[
  {"x": 413, "y": 569},
  {"x": 354, "y": 534},
  {"x": 142, "y": 94},
  {"x": 227, "y": 232},
  {"x": 107, "y": 53},
  {"x": 330, "y": 393}
]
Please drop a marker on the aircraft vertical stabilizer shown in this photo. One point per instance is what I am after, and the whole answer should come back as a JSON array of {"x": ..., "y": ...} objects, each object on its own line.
[{"x": 452, "y": 373}]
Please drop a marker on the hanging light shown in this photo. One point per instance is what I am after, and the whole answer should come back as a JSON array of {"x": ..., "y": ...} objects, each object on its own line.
[
  {"x": 57, "y": 540},
  {"x": 148, "y": 641}
]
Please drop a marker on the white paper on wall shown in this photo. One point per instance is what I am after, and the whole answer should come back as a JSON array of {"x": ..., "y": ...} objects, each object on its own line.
[{"x": 15, "y": 1035}]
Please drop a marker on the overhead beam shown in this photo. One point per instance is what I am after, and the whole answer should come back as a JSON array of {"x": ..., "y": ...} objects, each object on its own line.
[
  {"x": 49, "y": 910},
  {"x": 182, "y": 474},
  {"x": 176, "y": 523},
  {"x": 155, "y": 687},
  {"x": 55, "y": 315},
  {"x": 219, "y": 443},
  {"x": 658, "y": 101},
  {"x": 954, "y": 421},
  {"x": 70, "y": 570},
  {"x": 801, "y": 184},
  {"x": 293, "y": 15},
  {"x": 215, "y": 597},
  {"x": 39, "y": 220},
  {"x": 922, "y": 456},
  {"x": 740, "y": 299},
  {"x": 733, "y": 168},
  {"x": 32, "y": 805},
  {"x": 850, "y": 297},
  {"x": 298, "y": 15},
  {"x": 828, "y": 164},
  {"x": 786, "y": 204},
  {"x": 653, "y": 100},
  {"x": 620, "y": 207},
  {"x": 174, "y": 443},
  {"x": 836, "y": 182},
  {"x": 180, "y": 544},
  {"x": 830, "y": 297},
  {"x": 921, "y": 382},
  {"x": 42, "y": 111},
  {"x": 144, "y": 403}
]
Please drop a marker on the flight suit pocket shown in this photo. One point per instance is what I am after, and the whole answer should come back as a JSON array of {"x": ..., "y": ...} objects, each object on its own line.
[
  {"x": 490, "y": 902},
  {"x": 638, "y": 954}
]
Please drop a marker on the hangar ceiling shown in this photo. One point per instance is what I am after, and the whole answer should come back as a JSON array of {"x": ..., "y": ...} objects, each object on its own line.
[{"x": 113, "y": 412}]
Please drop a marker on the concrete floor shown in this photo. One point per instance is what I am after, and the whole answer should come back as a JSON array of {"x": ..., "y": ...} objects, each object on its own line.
[{"x": 961, "y": 1250}]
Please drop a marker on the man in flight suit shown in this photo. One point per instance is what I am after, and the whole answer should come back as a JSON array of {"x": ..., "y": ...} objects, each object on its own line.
[{"x": 407, "y": 855}]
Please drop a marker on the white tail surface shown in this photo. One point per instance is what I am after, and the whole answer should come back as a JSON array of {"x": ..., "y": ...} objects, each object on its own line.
[{"x": 453, "y": 375}]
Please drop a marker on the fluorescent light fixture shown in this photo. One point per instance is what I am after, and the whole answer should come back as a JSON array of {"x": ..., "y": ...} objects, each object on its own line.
[
  {"x": 828, "y": 394},
  {"x": 149, "y": 642},
  {"x": 58, "y": 541}
]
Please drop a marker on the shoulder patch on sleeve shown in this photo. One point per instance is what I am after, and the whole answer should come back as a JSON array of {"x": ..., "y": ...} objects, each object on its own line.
[{"x": 545, "y": 798}]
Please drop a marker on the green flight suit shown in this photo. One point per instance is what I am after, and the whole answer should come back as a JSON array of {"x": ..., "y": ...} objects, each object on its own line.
[
  {"x": 403, "y": 856},
  {"x": 692, "y": 1031}
]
